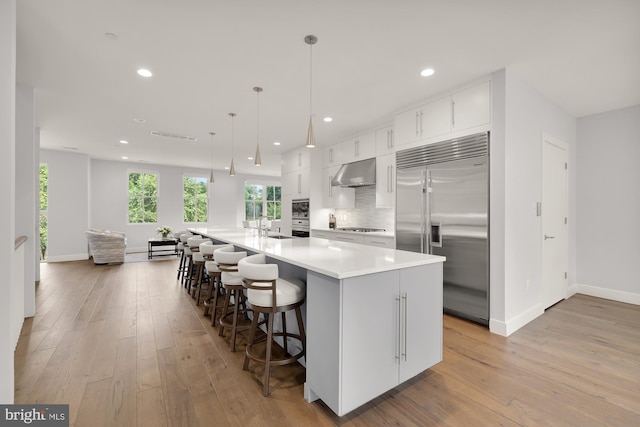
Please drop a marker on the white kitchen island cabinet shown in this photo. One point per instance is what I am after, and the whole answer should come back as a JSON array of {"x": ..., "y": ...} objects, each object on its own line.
[
  {"x": 373, "y": 315},
  {"x": 371, "y": 333}
]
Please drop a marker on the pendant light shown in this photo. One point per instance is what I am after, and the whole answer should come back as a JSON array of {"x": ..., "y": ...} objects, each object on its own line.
[
  {"x": 310, "y": 40},
  {"x": 232, "y": 168},
  {"x": 258, "y": 161},
  {"x": 211, "y": 178}
]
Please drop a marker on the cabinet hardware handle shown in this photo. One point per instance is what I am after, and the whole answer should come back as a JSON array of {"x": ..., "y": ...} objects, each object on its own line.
[
  {"x": 416, "y": 123},
  {"x": 549, "y": 237},
  {"x": 391, "y": 180},
  {"x": 392, "y": 138},
  {"x": 406, "y": 306},
  {"x": 398, "y": 343},
  {"x": 453, "y": 114},
  {"x": 330, "y": 186},
  {"x": 388, "y": 178},
  {"x": 331, "y": 155}
]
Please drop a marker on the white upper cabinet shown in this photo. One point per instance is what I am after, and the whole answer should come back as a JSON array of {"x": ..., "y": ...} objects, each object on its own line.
[
  {"x": 359, "y": 148},
  {"x": 385, "y": 181},
  {"x": 332, "y": 155},
  {"x": 295, "y": 160},
  {"x": 385, "y": 141},
  {"x": 296, "y": 166},
  {"x": 335, "y": 197},
  {"x": 471, "y": 107},
  {"x": 462, "y": 110}
]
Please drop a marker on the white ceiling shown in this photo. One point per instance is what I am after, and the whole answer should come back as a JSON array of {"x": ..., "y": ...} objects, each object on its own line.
[{"x": 207, "y": 56}]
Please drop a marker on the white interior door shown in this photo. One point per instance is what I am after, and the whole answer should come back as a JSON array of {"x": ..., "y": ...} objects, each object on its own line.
[{"x": 554, "y": 221}]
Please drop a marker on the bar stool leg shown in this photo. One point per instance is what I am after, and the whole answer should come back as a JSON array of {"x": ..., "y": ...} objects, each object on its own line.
[{"x": 267, "y": 366}]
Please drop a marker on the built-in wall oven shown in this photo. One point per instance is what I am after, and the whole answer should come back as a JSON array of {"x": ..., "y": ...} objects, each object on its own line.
[{"x": 300, "y": 217}]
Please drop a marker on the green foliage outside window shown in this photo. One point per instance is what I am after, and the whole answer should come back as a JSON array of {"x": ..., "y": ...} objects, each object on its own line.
[
  {"x": 256, "y": 199},
  {"x": 195, "y": 199},
  {"x": 44, "y": 206},
  {"x": 143, "y": 198}
]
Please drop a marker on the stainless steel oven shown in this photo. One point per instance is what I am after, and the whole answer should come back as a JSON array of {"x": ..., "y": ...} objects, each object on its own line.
[
  {"x": 300, "y": 208},
  {"x": 300, "y": 218}
]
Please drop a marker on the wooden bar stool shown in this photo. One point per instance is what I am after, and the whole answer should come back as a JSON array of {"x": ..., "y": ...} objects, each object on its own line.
[
  {"x": 269, "y": 294},
  {"x": 232, "y": 283},
  {"x": 191, "y": 248},
  {"x": 214, "y": 288},
  {"x": 182, "y": 267}
]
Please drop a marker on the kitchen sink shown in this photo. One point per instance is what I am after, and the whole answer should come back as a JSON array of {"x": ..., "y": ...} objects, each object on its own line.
[{"x": 280, "y": 237}]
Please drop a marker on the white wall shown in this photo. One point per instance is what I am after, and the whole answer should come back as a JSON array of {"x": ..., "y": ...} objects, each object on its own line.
[
  {"x": 109, "y": 199},
  {"x": 26, "y": 196},
  {"x": 7, "y": 190},
  {"x": 68, "y": 217},
  {"x": 527, "y": 116},
  {"x": 608, "y": 204}
]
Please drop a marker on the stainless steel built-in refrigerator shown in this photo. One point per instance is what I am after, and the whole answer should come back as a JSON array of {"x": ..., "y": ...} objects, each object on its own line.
[{"x": 443, "y": 209}]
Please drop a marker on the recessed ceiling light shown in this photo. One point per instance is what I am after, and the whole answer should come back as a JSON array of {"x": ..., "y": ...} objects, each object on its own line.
[
  {"x": 122, "y": 141},
  {"x": 125, "y": 158},
  {"x": 427, "y": 72},
  {"x": 276, "y": 143},
  {"x": 111, "y": 36},
  {"x": 139, "y": 120},
  {"x": 226, "y": 168},
  {"x": 249, "y": 158},
  {"x": 328, "y": 119},
  {"x": 144, "y": 72}
]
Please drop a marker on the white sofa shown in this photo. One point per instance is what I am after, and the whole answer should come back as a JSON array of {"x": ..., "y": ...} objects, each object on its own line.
[{"x": 106, "y": 247}]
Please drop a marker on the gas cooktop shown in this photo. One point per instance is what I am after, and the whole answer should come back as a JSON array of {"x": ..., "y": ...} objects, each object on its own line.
[{"x": 360, "y": 229}]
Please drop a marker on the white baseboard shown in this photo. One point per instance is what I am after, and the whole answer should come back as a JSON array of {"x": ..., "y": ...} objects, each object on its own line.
[
  {"x": 612, "y": 294},
  {"x": 510, "y": 326},
  {"x": 63, "y": 258}
]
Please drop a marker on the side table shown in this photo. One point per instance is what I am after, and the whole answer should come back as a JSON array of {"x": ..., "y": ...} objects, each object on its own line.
[{"x": 156, "y": 242}]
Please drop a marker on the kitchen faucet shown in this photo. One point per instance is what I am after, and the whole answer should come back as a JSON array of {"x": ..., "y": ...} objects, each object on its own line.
[{"x": 260, "y": 232}]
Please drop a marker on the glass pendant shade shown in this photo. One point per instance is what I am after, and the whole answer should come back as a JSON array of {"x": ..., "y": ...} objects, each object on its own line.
[
  {"x": 211, "y": 178},
  {"x": 258, "y": 161},
  {"x": 232, "y": 169}
]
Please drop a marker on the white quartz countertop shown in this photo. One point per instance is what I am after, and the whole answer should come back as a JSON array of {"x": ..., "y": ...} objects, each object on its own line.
[{"x": 339, "y": 260}]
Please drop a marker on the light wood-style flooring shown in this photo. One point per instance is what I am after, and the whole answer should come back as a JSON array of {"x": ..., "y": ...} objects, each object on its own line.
[{"x": 124, "y": 345}]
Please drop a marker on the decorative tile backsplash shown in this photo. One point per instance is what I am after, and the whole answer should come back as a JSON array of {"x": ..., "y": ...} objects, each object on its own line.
[{"x": 365, "y": 213}]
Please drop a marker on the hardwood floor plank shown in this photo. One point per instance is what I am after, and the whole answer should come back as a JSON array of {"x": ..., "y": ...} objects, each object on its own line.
[
  {"x": 125, "y": 345},
  {"x": 151, "y": 408}
]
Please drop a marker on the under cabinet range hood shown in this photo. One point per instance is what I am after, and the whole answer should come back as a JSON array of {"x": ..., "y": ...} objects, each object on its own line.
[{"x": 356, "y": 174}]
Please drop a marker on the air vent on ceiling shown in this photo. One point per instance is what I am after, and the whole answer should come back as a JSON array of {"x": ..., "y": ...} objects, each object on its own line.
[{"x": 173, "y": 135}]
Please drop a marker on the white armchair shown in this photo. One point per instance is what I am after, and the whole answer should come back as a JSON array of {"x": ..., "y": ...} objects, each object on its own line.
[{"x": 106, "y": 246}]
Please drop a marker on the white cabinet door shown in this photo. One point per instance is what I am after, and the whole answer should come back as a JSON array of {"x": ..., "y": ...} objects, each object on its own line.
[
  {"x": 321, "y": 234},
  {"x": 384, "y": 141},
  {"x": 407, "y": 127},
  {"x": 420, "y": 319},
  {"x": 369, "y": 338},
  {"x": 380, "y": 241},
  {"x": 348, "y": 237},
  {"x": 471, "y": 107},
  {"x": 385, "y": 181},
  {"x": 290, "y": 161},
  {"x": 332, "y": 155},
  {"x": 436, "y": 118},
  {"x": 304, "y": 176},
  {"x": 359, "y": 148},
  {"x": 289, "y": 182},
  {"x": 336, "y": 197}
]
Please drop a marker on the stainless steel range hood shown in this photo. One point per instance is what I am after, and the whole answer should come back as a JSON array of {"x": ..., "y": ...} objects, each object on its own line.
[{"x": 356, "y": 174}]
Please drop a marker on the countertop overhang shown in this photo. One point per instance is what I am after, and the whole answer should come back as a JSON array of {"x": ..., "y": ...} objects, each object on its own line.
[{"x": 335, "y": 259}]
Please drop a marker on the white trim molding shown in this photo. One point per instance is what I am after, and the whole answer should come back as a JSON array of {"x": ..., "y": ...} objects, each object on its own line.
[
  {"x": 611, "y": 294},
  {"x": 510, "y": 326},
  {"x": 63, "y": 258}
]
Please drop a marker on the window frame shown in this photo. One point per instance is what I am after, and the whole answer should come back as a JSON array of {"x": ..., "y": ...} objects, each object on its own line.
[
  {"x": 145, "y": 172},
  {"x": 195, "y": 198},
  {"x": 264, "y": 200}
]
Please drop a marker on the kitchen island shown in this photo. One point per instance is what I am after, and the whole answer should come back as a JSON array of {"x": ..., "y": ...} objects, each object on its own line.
[{"x": 373, "y": 315}]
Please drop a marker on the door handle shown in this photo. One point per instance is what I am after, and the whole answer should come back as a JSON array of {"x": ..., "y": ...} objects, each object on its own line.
[
  {"x": 549, "y": 237},
  {"x": 398, "y": 339}
]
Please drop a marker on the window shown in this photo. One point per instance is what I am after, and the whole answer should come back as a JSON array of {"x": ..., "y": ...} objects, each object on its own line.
[
  {"x": 143, "y": 197},
  {"x": 195, "y": 199},
  {"x": 256, "y": 199},
  {"x": 44, "y": 206}
]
